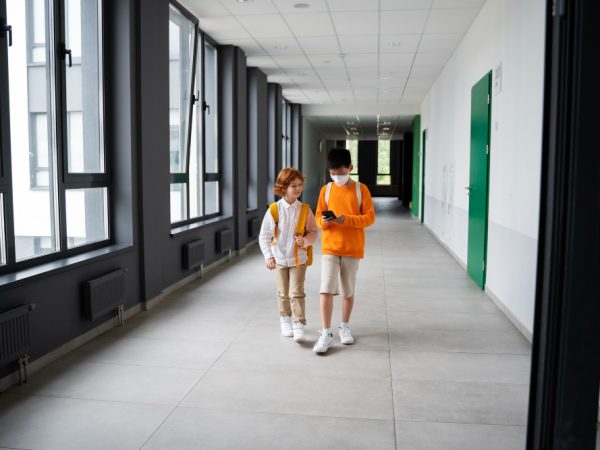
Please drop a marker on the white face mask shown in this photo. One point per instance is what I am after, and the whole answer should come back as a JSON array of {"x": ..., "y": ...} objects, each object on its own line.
[{"x": 340, "y": 180}]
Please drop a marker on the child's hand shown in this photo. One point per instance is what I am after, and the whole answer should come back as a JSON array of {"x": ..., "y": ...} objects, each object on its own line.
[
  {"x": 340, "y": 219},
  {"x": 299, "y": 240},
  {"x": 270, "y": 263}
]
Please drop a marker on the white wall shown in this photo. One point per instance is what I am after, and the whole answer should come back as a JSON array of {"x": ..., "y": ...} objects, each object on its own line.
[{"x": 510, "y": 32}]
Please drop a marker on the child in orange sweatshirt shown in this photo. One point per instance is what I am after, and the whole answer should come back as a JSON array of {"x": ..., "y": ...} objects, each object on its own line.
[{"x": 344, "y": 210}]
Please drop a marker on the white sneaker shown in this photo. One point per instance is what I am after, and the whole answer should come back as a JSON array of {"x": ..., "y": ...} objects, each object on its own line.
[
  {"x": 325, "y": 341},
  {"x": 286, "y": 326},
  {"x": 298, "y": 332},
  {"x": 345, "y": 336}
]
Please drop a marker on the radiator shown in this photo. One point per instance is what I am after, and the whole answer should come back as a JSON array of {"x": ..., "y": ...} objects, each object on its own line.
[
  {"x": 254, "y": 227},
  {"x": 193, "y": 254},
  {"x": 104, "y": 294},
  {"x": 224, "y": 240},
  {"x": 14, "y": 334}
]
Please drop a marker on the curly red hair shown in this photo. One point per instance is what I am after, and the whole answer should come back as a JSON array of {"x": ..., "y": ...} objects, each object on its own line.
[{"x": 285, "y": 178}]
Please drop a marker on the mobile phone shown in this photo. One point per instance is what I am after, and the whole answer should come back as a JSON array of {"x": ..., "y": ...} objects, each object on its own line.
[{"x": 328, "y": 214}]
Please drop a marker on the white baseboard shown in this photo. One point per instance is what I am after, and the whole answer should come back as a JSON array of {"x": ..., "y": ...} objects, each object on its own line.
[
  {"x": 516, "y": 322},
  {"x": 35, "y": 366}
]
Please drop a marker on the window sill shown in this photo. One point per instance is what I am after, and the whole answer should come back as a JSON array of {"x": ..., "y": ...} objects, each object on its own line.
[
  {"x": 15, "y": 279},
  {"x": 197, "y": 225}
]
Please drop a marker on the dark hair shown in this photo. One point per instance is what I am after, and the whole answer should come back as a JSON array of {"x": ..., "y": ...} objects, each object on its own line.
[
  {"x": 285, "y": 178},
  {"x": 338, "y": 157}
]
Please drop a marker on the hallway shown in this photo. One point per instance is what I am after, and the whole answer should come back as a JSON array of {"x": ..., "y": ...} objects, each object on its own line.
[{"x": 435, "y": 365}]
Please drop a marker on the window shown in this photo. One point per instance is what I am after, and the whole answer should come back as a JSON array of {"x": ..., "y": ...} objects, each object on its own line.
[
  {"x": 383, "y": 162},
  {"x": 194, "y": 156},
  {"x": 352, "y": 146},
  {"x": 286, "y": 132},
  {"x": 55, "y": 124}
]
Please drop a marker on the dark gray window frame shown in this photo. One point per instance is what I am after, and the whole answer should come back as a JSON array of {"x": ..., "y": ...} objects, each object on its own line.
[
  {"x": 200, "y": 41},
  {"x": 65, "y": 180}
]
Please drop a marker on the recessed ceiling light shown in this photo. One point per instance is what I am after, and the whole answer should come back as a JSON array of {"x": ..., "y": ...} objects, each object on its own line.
[
  {"x": 244, "y": 1},
  {"x": 301, "y": 5},
  {"x": 280, "y": 46},
  {"x": 327, "y": 61},
  {"x": 394, "y": 44}
]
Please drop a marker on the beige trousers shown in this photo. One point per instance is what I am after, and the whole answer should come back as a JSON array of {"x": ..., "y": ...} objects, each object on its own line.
[{"x": 290, "y": 291}]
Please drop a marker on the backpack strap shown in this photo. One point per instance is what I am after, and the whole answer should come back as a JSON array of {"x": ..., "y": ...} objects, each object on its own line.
[
  {"x": 275, "y": 213},
  {"x": 358, "y": 195},
  {"x": 301, "y": 228},
  {"x": 327, "y": 192}
]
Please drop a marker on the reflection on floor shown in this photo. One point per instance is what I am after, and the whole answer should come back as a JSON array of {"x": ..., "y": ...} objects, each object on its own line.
[{"x": 435, "y": 366}]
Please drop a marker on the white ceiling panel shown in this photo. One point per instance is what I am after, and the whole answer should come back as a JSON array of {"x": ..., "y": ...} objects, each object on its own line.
[
  {"x": 361, "y": 60},
  {"x": 353, "y": 5},
  {"x": 347, "y": 23},
  {"x": 431, "y": 59},
  {"x": 317, "y": 24},
  {"x": 287, "y": 6},
  {"x": 271, "y": 25},
  {"x": 391, "y": 61},
  {"x": 360, "y": 44},
  {"x": 404, "y": 4},
  {"x": 273, "y": 46},
  {"x": 264, "y": 62},
  {"x": 334, "y": 60},
  {"x": 332, "y": 73},
  {"x": 223, "y": 27},
  {"x": 422, "y": 82},
  {"x": 425, "y": 71},
  {"x": 207, "y": 8},
  {"x": 393, "y": 72},
  {"x": 253, "y": 7},
  {"x": 399, "y": 43},
  {"x": 363, "y": 72},
  {"x": 439, "y": 42},
  {"x": 292, "y": 61},
  {"x": 403, "y": 22},
  {"x": 458, "y": 3},
  {"x": 319, "y": 45},
  {"x": 450, "y": 21}
]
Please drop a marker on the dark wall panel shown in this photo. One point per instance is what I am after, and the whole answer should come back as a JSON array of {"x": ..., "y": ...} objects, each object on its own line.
[{"x": 367, "y": 161}]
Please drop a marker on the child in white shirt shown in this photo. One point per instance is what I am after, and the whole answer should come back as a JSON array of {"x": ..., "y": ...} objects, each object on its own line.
[{"x": 286, "y": 236}]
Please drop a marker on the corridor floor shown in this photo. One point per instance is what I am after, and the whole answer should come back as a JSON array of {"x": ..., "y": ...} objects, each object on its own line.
[{"x": 435, "y": 365}]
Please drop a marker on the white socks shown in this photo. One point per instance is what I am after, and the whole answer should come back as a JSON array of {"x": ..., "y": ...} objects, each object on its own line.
[
  {"x": 343, "y": 325},
  {"x": 326, "y": 331}
]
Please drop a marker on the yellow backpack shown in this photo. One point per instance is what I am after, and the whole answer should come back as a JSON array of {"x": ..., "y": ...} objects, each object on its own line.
[{"x": 300, "y": 229}]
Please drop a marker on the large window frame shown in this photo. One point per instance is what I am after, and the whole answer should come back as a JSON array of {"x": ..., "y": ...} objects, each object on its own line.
[
  {"x": 201, "y": 112},
  {"x": 61, "y": 181},
  {"x": 352, "y": 146}
]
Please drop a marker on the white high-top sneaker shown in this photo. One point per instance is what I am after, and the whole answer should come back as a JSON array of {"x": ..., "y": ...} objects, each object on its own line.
[
  {"x": 325, "y": 341},
  {"x": 286, "y": 326},
  {"x": 345, "y": 335},
  {"x": 298, "y": 332}
]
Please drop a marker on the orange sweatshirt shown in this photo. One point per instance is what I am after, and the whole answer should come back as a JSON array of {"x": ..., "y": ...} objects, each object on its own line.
[{"x": 347, "y": 239}]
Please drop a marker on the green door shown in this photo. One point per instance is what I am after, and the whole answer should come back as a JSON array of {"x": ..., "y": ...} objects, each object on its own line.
[
  {"x": 423, "y": 179},
  {"x": 478, "y": 179},
  {"x": 416, "y": 184}
]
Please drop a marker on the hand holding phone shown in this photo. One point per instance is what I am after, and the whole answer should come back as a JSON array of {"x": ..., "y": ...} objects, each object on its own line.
[{"x": 330, "y": 215}]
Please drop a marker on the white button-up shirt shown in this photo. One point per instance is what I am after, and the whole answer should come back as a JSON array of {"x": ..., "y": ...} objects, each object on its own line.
[{"x": 283, "y": 249}]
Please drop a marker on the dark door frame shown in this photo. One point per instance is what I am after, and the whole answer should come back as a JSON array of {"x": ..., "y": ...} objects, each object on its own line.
[{"x": 563, "y": 405}]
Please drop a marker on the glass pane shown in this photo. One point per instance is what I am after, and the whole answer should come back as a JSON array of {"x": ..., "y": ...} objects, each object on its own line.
[
  {"x": 178, "y": 202},
  {"x": 87, "y": 216},
  {"x": 32, "y": 140},
  {"x": 181, "y": 52},
  {"x": 352, "y": 146},
  {"x": 2, "y": 233},
  {"x": 384, "y": 179},
  {"x": 195, "y": 173},
  {"x": 85, "y": 143},
  {"x": 210, "y": 116},
  {"x": 383, "y": 157},
  {"x": 212, "y": 197}
]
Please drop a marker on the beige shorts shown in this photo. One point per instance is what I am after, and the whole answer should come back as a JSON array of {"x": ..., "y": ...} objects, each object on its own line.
[{"x": 343, "y": 268}]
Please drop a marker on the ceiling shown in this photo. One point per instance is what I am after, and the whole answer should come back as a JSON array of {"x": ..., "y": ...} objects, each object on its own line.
[{"x": 351, "y": 63}]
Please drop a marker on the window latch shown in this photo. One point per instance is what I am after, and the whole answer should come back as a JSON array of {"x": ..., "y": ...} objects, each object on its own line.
[
  {"x": 8, "y": 30},
  {"x": 206, "y": 107},
  {"x": 64, "y": 52},
  {"x": 195, "y": 97}
]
